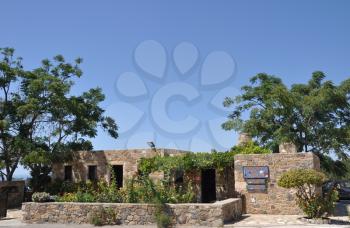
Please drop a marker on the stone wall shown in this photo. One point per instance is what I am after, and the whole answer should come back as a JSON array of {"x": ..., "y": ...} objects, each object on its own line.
[
  {"x": 213, "y": 215},
  {"x": 102, "y": 159},
  {"x": 16, "y": 195},
  {"x": 276, "y": 200},
  {"x": 224, "y": 183}
]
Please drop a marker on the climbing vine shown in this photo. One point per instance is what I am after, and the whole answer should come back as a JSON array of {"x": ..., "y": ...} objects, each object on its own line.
[{"x": 198, "y": 161}]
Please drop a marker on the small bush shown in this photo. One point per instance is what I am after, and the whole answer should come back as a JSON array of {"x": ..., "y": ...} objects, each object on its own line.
[
  {"x": 59, "y": 187},
  {"x": 67, "y": 197},
  {"x": 249, "y": 148},
  {"x": 308, "y": 182},
  {"x": 108, "y": 192},
  {"x": 298, "y": 178},
  {"x": 96, "y": 220},
  {"x": 41, "y": 197},
  {"x": 318, "y": 206},
  {"x": 104, "y": 216},
  {"x": 85, "y": 197},
  {"x": 162, "y": 218}
]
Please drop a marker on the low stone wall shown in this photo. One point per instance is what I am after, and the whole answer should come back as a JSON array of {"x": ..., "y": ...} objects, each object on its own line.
[
  {"x": 134, "y": 214},
  {"x": 211, "y": 214}
]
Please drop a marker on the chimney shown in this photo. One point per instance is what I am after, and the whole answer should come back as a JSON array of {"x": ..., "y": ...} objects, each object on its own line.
[
  {"x": 287, "y": 148},
  {"x": 244, "y": 138}
]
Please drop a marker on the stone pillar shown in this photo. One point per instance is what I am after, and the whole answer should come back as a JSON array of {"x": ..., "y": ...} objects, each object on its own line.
[
  {"x": 244, "y": 138},
  {"x": 287, "y": 148}
]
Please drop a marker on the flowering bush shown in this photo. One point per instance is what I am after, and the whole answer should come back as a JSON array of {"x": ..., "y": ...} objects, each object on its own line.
[{"x": 41, "y": 197}]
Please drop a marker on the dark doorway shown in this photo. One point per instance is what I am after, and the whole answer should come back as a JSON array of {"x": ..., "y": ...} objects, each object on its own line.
[
  {"x": 208, "y": 185},
  {"x": 92, "y": 174},
  {"x": 118, "y": 175},
  {"x": 68, "y": 173}
]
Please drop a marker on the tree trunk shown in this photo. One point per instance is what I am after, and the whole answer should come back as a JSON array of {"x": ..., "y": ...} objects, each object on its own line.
[{"x": 10, "y": 171}]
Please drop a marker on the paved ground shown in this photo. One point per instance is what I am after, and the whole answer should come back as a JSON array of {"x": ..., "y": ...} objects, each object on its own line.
[
  {"x": 289, "y": 221},
  {"x": 248, "y": 221},
  {"x": 13, "y": 220}
]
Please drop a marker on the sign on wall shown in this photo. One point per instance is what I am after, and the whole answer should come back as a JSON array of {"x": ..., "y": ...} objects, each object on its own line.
[
  {"x": 256, "y": 178},
  {"x": 255, "y": 172}
]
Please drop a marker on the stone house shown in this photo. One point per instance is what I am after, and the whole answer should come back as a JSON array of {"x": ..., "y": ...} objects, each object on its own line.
[
  {"x": 209, "y": 185},
  {"x": 93, "y": 165},
  {"x": 252, "y": 176}
]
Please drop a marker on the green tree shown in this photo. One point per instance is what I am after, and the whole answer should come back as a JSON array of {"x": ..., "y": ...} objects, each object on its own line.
[
  {"x": 40, "y": 120},
  {"x": 315, "y": 116}
]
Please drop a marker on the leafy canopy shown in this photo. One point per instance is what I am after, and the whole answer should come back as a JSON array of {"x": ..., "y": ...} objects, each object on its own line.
[
  {"x": 297, "y": 178},
  {"x": 315, "y": 116},
  {"x": 40, "y": 120}
]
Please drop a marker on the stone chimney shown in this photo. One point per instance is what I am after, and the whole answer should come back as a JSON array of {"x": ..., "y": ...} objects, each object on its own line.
[
  {"x": 244, "y": 138},
  {"x": 287, "y": 148}
]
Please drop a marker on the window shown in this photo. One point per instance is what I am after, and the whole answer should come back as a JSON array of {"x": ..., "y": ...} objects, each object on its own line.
[
  {"x": 179, "y": 177},
  {"x": 92, "y": 175},
  {"x": 118, "y": 175},
  {"x": 68, "y": 173}
]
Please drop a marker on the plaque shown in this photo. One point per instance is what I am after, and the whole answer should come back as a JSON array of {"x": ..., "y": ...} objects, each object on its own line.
[
  {"x": 256, "y": 172},
  {"x": 256, "y": 188}
]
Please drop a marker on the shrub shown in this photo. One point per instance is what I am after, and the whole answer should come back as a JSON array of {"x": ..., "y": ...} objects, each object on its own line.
[
  {"x": 308, "y": 182},
  {"x": 58, "y": 186},
  {"x": 108, "y": 192},
  {"x": 144, "y": 190},
  {"x": 139, "y": 190},
  {"x": 41, "y": 197},
  {"x": 96, "y": 220},
  {"x": 67, "y": 197},
  {"x": 162, "y": 218},
  {"x": 249, "y": 148},
  {"x": 185, "y": 193},
  {"x": 104, "y": 216},
  {"x": 85, "y": 197}
]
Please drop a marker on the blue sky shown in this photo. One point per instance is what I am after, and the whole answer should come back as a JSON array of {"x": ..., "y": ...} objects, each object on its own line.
[{"x": 116, "y": 39}]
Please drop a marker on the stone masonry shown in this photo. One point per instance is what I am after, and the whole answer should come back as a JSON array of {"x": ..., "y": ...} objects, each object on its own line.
[
  {"x": 224, "y": 179},
  {"x": 224, "y": 183},
  {"x": 275, "y": 200},
  {"x": 102, "y": 159},
  {"x": 212, "y": 215}
]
